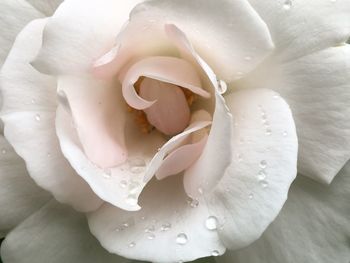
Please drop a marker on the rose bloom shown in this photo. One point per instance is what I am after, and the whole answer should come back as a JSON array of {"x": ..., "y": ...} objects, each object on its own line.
[{"x": 172, "y": 130}]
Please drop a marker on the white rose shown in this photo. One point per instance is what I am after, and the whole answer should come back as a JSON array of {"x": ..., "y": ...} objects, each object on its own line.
[{"x": 169, "y": 133}]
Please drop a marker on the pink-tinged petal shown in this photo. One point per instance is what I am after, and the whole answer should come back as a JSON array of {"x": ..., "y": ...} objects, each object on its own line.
[
  {"x": 170, "y": 145},
  {"x": 169, "y": 228},
  {"x": 98, "y": 112},
  {"x": 170, "y": 114},
  {"x": 79, "y": 32},
  {"x": 120, "y": 185},
  {"x": 28, "y": 112},
  {"x": 263, "y": 166},
  {"x": 180, "y": 159},
  {"x": 230, "y": 36},
  {"x": 167, "y": 69},
  {"x": 207, "y": 171}
]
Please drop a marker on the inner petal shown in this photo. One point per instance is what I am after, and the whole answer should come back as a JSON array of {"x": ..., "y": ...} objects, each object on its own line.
[{"x": 170, "y": 113}]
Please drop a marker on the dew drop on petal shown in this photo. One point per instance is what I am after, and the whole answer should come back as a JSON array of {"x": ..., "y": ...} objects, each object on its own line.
[
  {"x": 193, "y": 202},
  {"x": 262, "y": 175},
  {"x": 287, "y": 4},
  {"x": 165, "y": 227},
  {"x": 215, "y": 253},
  {"x": 181, "y": 239},
  {"x": 131, "y": 200},
  {"x": 107, "y": 173},
  {"x": 285, "y": 134},
  {"x": 150, "y": 229},
  {"x": 132, "y": 244},
  {"x": 3, "y": 151},
  {"x": 264, "y": 184},
  {"x": 200, "y": 190},
  {"x": 211, "y": 223},
  {"x": 250, "y": 196},
  {"x": 123, "y": 184},
  {"x": 268, "y": 132},
  {"x": 263, "y": 164},
  {"x": 151, "y": 236},
  {"x": 33, "y": 101},
  {"x": 37, "y": 117}
]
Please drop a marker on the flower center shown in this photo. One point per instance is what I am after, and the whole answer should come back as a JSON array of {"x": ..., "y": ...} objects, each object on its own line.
[{"x": 170, "y": 114}]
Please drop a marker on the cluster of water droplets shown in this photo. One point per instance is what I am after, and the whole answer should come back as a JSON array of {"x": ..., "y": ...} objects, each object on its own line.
[{"x": 265, "y": 121}]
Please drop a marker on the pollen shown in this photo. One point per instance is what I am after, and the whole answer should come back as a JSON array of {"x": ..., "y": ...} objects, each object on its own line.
[{"x": 140, "y": 116}]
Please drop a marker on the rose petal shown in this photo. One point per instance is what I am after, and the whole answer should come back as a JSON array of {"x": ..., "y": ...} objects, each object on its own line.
[
  {"x": 120, "y": 185},
  {"x": 98, "y": 111},
  {"x": 19, "y": 195},
  {"x": 167, "y": 69},
  {"x": 167, "y": 229},
  {"x": 14, "y": 16},
  {"x": 313, "y": 226},
  {"x": 222, "y": 33},
  {"x": 181, "y": 158},
  {"x": 62, "y": 232},
  {"x": 29, "y": 104},
  {"x": 255, "y": 186},
  {"x": 317, "y": 89},
  {"x": 298, "y": 28},
  {"x": 78, "y": 33}
]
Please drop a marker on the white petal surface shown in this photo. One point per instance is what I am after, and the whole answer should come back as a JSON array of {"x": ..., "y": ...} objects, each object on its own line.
[
  {"x": 221, "y": 33},
  {"x": 29, "y": 104},
  {"x": 317, "y": 88},
  {"x": 300, "y": 27},
  {"x": 47, "y": 7},
  {"x": 313, "y": 226},
  {"x": 79, "y": 32},
  {"x": 155, "y": 232},
  {"x": 14, "y": 16},
  {"x": 119, "y": 185},
  {"x": 54, "y": 234},
  {"x": 19, "y": 195},
  {"x": 255, "y": 185}
]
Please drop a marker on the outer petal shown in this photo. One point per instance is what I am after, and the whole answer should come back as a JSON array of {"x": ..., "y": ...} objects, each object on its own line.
[
  {"x": 98, "y": 111},
  {"x": 299, "y": 28},
  {"x": 119, "y": 185},
  {"x": 255, "y": 186},
  {"x": 19, "y": 195},
  {"x": 79, "y": 32},
  {"x": 14, "y": 16},
  {"x": 317, "y": 88},
  {"x": 54, "y": 234},
  {"x": 29, "y": 113},
  {"x": 47, "y": 7},
  {"x": 221, "y": 32},
  {"x": 312, "y": 227},
  {"x": 169, "y": 228}
]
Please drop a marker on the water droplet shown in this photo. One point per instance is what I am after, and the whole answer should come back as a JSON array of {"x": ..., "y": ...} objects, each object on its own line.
[
  {"x": 248, "y": 58},
  {"x": 118, "y": 229},
  {"x": 137, "y": 165},
  {"x": 3, "y": 151},
  {"x": 150, "y": 229},
  {"x": 263, "y": 164},
  {"x": 132, "y": 244},
  {"x": 250, "y": 196},
  {"x": 287, "y": 4},
  {"x": 262, "y": 175},
  {"x": 37, "y": 117},
  {"x": 268, "y": 132},
  {"x": 276, "y": 96},
  {"x": 222, "y": 86},
  {"x": 131, "y": 200},
  {"x": 264, "y": 184},
  {"x": 181, "y": 239},
  {"x": 134, "y": 187},
  {"x": 107, "y": 173},
  {"x": 192, "y": 202},
  {"x": 200, "y": 190},
  {"x": 33, "y": 101},
  {"x": 165, "y": 227},
  {"x": 215, "y": 253},
  {"x": 49, "y": 155},
  {"x": 151, "y": 236},
  {"x": 126, "y": 224},
  {"x": 211, "y": 223},
  {"x": 123, "y": 184},
  {"x": 239, "y": 158},
  {"x": 285, "y": 134}
]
